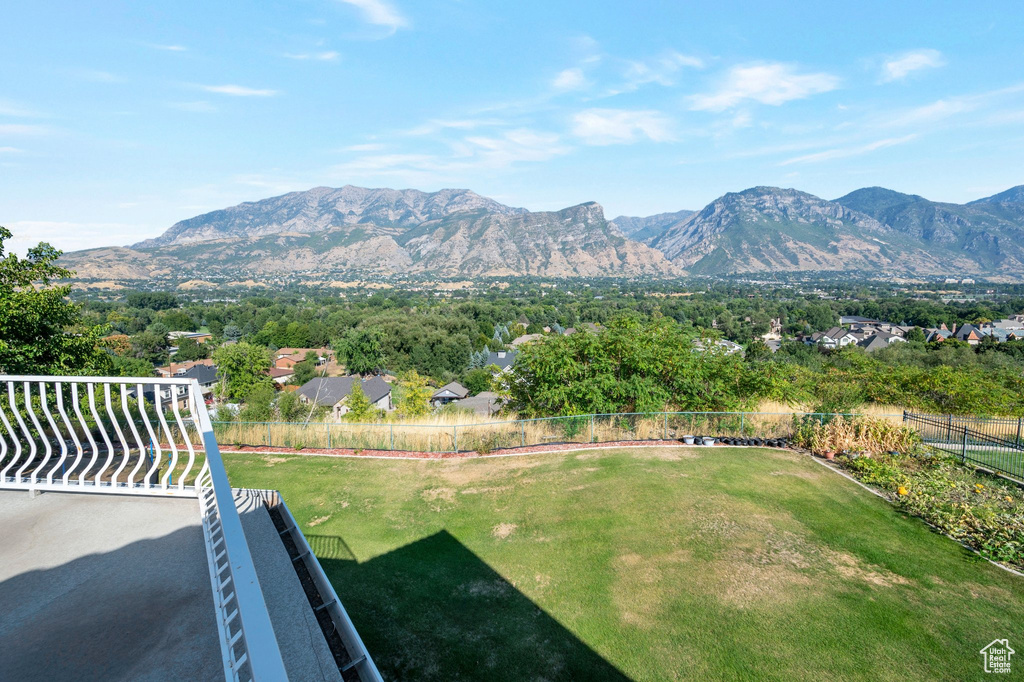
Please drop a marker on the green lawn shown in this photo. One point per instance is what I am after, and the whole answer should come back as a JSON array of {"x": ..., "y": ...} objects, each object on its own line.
[{"x": 643, "y": 564}]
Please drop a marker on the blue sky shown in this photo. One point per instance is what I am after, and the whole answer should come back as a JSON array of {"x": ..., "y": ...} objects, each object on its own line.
[{"x": 117, "y": 119}]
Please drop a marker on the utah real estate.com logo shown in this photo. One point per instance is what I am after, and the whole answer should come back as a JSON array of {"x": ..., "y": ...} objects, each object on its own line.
[{"x": 997, "y": 656}]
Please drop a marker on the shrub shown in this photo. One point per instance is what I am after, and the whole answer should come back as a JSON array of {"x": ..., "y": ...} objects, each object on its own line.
[{"x": 861, "y": 435}]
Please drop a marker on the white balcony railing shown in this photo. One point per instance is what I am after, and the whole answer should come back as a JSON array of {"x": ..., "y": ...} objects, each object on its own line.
[{"x": 142, "y": 437}]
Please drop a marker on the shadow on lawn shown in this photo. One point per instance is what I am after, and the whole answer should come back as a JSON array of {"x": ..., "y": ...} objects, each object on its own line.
[{"x": 433, "y": 610}]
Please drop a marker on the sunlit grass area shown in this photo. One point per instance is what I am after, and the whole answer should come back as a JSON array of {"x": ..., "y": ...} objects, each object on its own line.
[{"x": 643, "y": 564}]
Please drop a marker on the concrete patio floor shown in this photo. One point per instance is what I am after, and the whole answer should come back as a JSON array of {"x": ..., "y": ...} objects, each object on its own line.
[{"x": 111, "y": 587}]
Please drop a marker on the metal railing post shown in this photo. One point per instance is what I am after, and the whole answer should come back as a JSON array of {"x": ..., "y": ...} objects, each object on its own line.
[
  {"x": 328, "y": 424},
  {"x": 392, "y": 436},
  {"x": 268, "y": 436},
  {"x": 963, "y": 448}
]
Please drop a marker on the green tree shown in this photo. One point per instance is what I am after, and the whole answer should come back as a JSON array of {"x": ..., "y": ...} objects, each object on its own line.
[
  {"x": 360, "y": 409},
  {"x": 152, "y": 348},
  {"x": 244, "y": 367},
  {"x": 478, "y": 380},
  {"x": 190, "y": 349},
  {"x": 916, "y": 334},
  {"x": 41, "y": 332},
  {"x": 361, "y": 350},
  {"x": 306, "y": 370},
  {"x": 258, "y": 404},
  {"x": 415, "y": 400}
]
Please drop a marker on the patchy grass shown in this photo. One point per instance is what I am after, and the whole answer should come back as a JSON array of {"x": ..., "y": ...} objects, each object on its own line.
[{"x": 642, "y": 564}]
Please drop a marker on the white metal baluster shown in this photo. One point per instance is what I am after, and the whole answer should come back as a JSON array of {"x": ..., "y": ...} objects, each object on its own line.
[
  {"x": 170, "y": 441},
  {"x": 27, "y": 386},
  {"x": 24, "y": 430},
  {"x": 42, "y": 436},
  {"x": 157, "y": 451},
  {"x": 56, "y": 433},
  {"x": 141, "y": 404},
  {"x": 188, "y": 441},
  {"x": 79, "y": 450},
  {"x": 120, "y": 435},
  {"x": 14, "y": 437},
  {"x": 101, "y": 427},
  {"x": 88, "y": 432}
]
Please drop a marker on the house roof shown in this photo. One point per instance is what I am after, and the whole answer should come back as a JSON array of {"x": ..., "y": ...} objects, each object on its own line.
[
  {"x": 451, "y": 390},
  {"x": 329, "y": 391},
  {"x": 524, "y": 339},
  {"x": 206, "y": 374},
  {"x": 502, "y": 358},
  {"x": 875, "y": 342},
  {"x": 484, "y": 403},
  {"x": 278, "y": 372}
]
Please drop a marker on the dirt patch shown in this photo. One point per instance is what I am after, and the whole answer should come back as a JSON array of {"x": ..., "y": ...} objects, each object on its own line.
[
  {"x": 271, "y": 461},
  {"x": 852, "y": 568},
  {"x": 589, "y": 455},
  {"x": 809, "y": 475},
  {"x": 484, "y": 491},
  {"x": 666, "y": 454},
  {"x": 503, "y": 530},
  {"x": 318, "y": 520},
  {"x": 641, "y": 583},
  {"x": 438, "y": 495}
]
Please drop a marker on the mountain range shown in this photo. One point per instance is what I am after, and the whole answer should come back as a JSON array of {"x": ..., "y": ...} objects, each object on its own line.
[{"x": 328, "y": 234}]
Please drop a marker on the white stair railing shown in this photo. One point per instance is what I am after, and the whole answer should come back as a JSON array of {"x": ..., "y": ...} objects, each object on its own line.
[{"x": 116, "y": 444}]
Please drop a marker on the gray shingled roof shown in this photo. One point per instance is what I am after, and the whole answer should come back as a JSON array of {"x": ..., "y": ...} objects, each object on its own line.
[
  {"x": 503, "y": 359},
  {"x": 204, "y": 373},
  {"x": 329, "y": 391},
  {"x": 453, "y": 389}
]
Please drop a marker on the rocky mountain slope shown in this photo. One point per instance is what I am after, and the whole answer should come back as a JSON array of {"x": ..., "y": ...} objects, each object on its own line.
[
  {"x": 321, "y": 208},
  {"x": 576, "y": 241},
  {"x": 326, "y": 234},
  {"x": 649, "y": 228}
]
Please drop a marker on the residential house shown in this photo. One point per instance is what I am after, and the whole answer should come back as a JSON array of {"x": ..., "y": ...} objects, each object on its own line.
[
  {"x": 179, "y": 368},
  {"x": 451, "y": 392},
  {"x": 484, "y": 403},
  {"x": 969, "y": 333},
  {"x": 287, "y": 358},
  {"x": 198, "y": 337},
  {"x": 837, "y": 337},
  {"x": 281, "y": 375},
  {"x": 502, "y": 359},
  {"x": 879, "y": 341},
  {"x": 206, "y": 375},
  {"x": 333, "y": 392},
  {"x": 524, "y": 339}
]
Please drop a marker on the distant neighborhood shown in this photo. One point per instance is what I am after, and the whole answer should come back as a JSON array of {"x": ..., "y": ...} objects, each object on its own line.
[{"x": 872, "y": 335}]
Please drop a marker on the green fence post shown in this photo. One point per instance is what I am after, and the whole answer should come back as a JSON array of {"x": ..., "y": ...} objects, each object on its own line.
[
  {"x": 666, "y": 426},
  {"x": 742, "y": 425},
  {"x": 455, "y": 438},
  {"x": 268, "y": 435},
  {"x": 591, "y": 428},
  {"x": 392, "y": 436},
  {"x": 522, "y": 432}
]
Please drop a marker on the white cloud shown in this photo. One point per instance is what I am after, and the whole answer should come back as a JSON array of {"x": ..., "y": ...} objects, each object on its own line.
[
  {"x": 845, "y": 152},
  {"x": 380, "y": 13},
  {"x": 660, "y": 70},
  {"x": 68, "y": 236},
  {"x": 569, "y": 79},
  {"x": 10, "y": 150},
  {"x": 437, "y": 125},
  {"x": 768, "y": 83},
  {"x": 169, "y": 48},
  {"x": 238, "y": 91},
  {"x": 100, "y": 76},
  {"x": 898, "y": 68},
  {"x": 329, "y": 56},
  {"x": 620, "y": 126},
  {"x": 514, "y": 146}
]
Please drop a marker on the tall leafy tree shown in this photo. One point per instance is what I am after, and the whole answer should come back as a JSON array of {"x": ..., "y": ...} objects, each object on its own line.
[
  {"x": 244, "y": 367},
  {"x": 41, "y": 332},
  {"x": 361, "y": 350}
]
